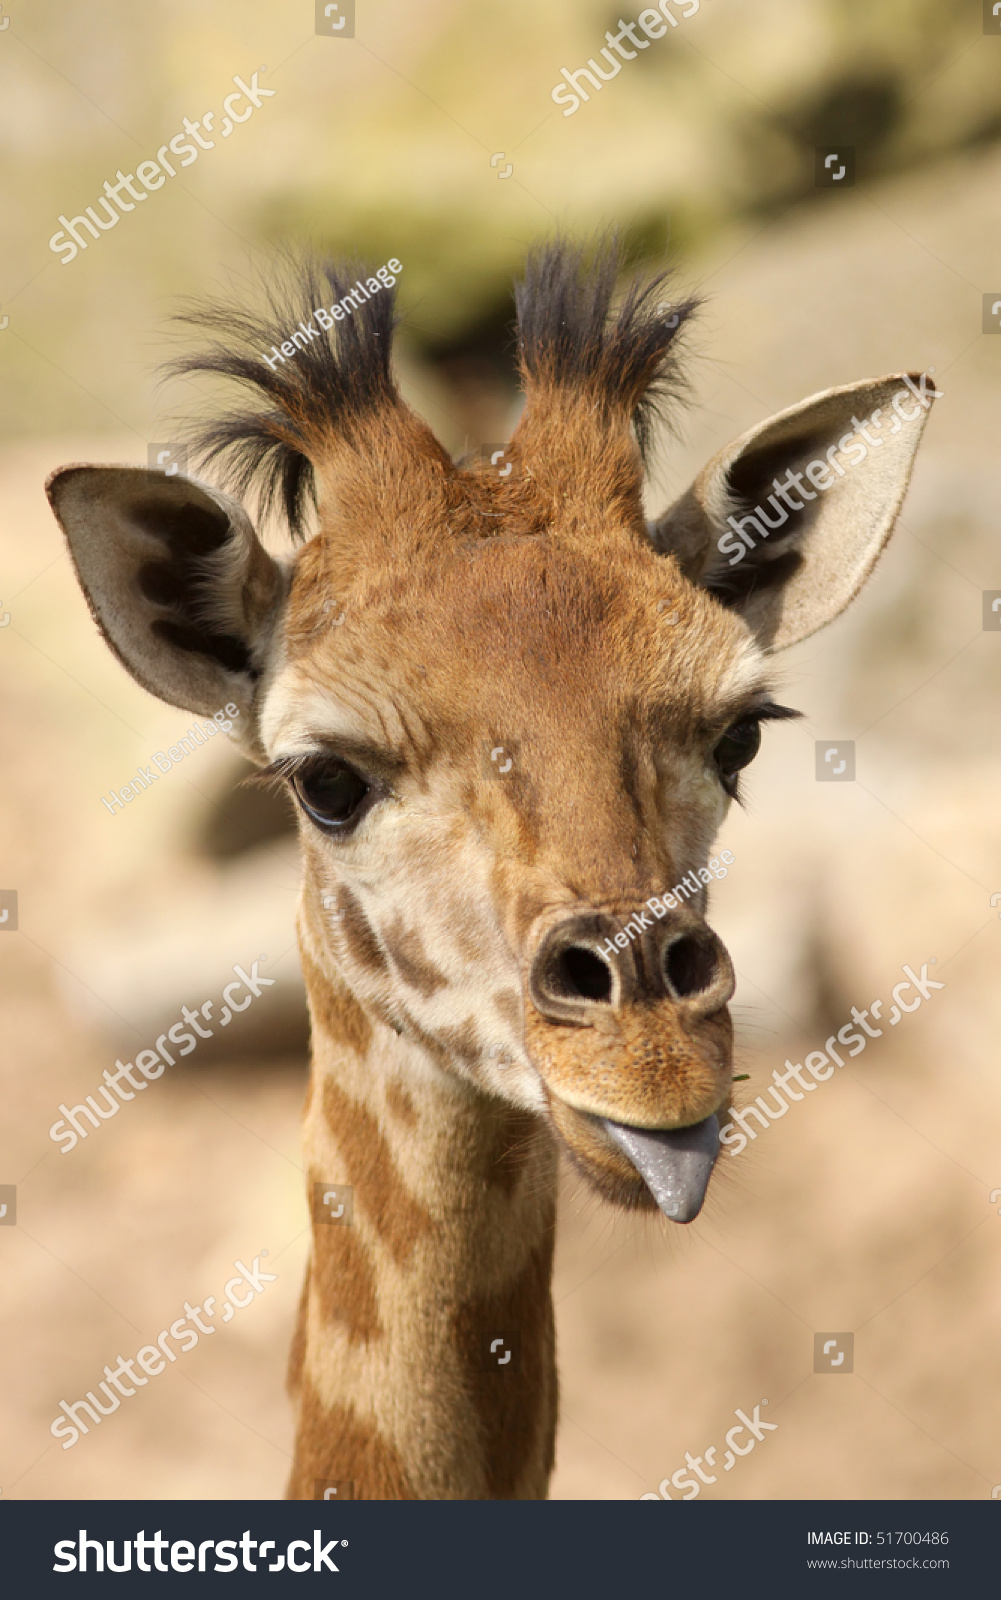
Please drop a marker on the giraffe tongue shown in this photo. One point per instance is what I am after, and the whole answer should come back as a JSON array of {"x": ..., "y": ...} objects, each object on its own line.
[{"x": 675, "y": 1163}]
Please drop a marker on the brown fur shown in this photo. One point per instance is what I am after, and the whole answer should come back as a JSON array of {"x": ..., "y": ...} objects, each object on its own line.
[
  {"x": 400, "y": 1104},
  {"x": 297, "y": 1350},
  {"x": 534, "y": 686},
  {"x": 408, "y": 955},
  {"x": 519, "y": 649},
  {"x": 510, "y": 1157},
  {"x": 335, "y": 1444},
  {"x": 510, "y": 1429},
  {"x": 336, "y": 1011},
  {"x": 346, "y": 1283},
  {"x": 359, "y": 936},
  {"x": 399, "y": 1220}
]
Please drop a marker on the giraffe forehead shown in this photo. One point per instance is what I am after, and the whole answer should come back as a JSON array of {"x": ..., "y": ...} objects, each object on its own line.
[{"x": 505, "y": 632}]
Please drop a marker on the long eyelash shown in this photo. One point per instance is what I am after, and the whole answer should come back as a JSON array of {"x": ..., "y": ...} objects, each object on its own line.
[
  {"x": 280, "y": 771},
  {"x": 770, "y": 711},
  {"x": 271, "y": 777},
  {"x": 767, "y": 711}
]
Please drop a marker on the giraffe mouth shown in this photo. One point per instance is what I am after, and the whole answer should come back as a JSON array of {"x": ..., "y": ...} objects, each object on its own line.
[{"x": 675, "y": 1164}]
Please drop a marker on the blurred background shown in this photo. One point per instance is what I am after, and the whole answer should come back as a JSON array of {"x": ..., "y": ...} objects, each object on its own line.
[{"x": 430, "y": 135}]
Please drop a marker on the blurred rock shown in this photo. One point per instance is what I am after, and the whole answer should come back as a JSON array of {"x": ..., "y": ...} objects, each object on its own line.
[{"x": 129, "y": 977}]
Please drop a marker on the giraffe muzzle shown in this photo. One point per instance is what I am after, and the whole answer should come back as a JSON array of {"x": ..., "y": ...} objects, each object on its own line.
[
  {"x": 675, "y": 1164},
  {"x": 633, "y": 1043},
  {"x": 577, "y": 971}
]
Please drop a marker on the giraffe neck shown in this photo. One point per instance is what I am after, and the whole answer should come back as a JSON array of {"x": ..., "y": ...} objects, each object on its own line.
[{"x": 449, "y": 1248}]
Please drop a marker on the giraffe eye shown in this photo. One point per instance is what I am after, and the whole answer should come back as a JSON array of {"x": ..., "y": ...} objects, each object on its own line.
[
  {"x": 332, "y": 793},
  {"x": 738, "y": 746}
]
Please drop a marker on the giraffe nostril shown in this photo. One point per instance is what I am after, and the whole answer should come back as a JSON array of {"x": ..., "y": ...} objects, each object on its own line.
[
  {"x": 581, "y": 974},
  {"x": 691, "y": 966}
]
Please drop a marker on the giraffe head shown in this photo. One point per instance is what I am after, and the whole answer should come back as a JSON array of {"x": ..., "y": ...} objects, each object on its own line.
[{"x": 512, "y": 713}]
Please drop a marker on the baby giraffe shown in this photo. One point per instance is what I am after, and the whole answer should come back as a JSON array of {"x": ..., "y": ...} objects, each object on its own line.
[{"x": 512, "y": 715}]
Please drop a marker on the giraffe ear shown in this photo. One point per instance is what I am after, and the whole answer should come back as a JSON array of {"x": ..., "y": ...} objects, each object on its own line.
[
  {"x": 178, "y": 583},
  {"x": 791, "y": 561}
]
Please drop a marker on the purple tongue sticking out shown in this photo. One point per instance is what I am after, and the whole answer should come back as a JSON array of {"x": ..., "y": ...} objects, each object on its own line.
[{"x": 675, "y": 1163}]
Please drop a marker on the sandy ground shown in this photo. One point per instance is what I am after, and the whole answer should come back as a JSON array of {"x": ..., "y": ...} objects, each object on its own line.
[{"x": 866, "y": 1209}]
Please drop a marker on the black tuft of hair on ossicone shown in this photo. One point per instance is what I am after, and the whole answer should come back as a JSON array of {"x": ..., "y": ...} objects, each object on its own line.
[
  {"x": 569, "y": 335},
  {"x": 269, "y": 449}
]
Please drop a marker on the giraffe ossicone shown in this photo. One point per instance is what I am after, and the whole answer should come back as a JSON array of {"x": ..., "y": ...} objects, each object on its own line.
[{"x": 493, "y": 764}]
